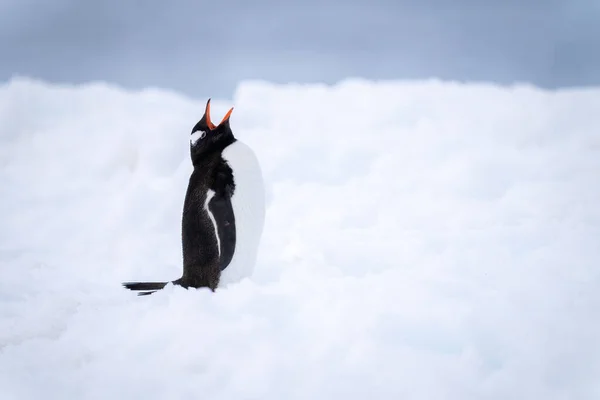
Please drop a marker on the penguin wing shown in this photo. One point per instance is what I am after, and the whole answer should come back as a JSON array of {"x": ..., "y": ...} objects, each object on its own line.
[{"x": 222, "y": 210}]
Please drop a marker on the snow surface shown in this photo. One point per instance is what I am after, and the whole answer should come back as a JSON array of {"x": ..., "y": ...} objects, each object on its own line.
[{"x": 423, "y": 240}]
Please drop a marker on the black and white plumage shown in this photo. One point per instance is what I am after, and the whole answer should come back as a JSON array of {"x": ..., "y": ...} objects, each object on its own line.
[{"x": 223, "y": 212}]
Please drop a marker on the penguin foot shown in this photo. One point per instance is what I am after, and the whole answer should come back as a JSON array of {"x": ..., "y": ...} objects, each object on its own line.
[{"x": 205, "y": 277}]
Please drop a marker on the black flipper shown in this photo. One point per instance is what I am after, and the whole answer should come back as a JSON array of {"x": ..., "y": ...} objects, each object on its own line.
[{"x": 222, "y": 210}]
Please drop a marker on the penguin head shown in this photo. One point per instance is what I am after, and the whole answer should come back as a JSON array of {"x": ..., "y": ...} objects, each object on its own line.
[{"x": 207, "y": 137}]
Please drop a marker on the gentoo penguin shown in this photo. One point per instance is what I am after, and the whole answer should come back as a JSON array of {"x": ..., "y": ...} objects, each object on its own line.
[{"x": 223, "y": 211}]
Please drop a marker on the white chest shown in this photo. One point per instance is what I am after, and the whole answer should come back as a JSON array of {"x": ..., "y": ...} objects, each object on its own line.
[{"x": 248, "y": 203}]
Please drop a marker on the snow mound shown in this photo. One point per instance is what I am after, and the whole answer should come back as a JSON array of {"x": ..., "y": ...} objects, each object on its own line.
[{"x": 423, "y": 240}]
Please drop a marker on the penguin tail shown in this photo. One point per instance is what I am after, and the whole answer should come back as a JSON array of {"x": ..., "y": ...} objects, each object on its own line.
[{"x": 145, "y": 288}]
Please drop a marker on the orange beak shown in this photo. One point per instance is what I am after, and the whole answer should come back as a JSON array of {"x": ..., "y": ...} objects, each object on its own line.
[{"x": 212, "y": 126}]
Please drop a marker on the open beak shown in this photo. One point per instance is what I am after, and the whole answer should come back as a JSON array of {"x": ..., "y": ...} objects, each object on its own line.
[{"x": 212, "y": 126}]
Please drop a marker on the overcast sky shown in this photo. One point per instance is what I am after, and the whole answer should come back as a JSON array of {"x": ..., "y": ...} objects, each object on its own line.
[{"x": 204, "y": 48}]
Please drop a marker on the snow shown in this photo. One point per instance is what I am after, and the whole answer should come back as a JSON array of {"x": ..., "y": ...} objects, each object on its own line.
[{"x": 423, "y": 240}]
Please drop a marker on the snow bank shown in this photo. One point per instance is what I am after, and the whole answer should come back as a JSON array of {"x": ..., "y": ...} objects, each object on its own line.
[{"x": 424, "y": 240}]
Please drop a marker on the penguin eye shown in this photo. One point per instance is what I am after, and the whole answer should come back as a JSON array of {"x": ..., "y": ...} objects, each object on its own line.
[{"x": 198, "y": 135}]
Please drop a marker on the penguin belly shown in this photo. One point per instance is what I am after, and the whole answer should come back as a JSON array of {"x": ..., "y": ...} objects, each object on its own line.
[{"x": 248, "y": 203}]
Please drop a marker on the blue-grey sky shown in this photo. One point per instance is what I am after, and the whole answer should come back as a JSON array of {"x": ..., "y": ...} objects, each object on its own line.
[{"x": 204, "y": 48}]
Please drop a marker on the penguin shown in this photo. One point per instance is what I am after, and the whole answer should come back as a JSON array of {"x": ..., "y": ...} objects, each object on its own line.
[{"x": 223, "y": 211}]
